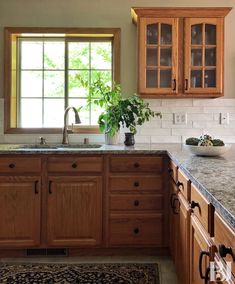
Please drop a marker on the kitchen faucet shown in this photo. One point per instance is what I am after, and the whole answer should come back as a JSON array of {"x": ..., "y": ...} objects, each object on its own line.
[{"x": 77, "y": 121}]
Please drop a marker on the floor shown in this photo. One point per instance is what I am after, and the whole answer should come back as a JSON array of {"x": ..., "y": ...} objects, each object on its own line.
[{"x": 167, "y": 270}]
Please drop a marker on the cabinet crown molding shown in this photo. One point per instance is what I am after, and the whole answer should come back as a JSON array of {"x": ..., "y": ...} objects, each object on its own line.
[{"x": 182, "y": 12}]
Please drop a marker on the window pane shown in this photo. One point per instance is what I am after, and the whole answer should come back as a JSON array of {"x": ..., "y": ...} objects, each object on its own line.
[
  {"x": 196, "y": 79},
  {"x": 196, "y": 57},
  {"x": 166, "y": 34},
  {"x": 151, "y": 78},
  {"x": 165, "y": 57},
  {"x": 75, "y": 87},
  {"x": 53, "y": 113},
  {"x": 31, "y": 54},
  {"x": 54, "y": 84},
  {"x": 151, "y": 57},
  {"x": 210, "y": 36},
  {"x": 95, "y": 112},
  {"x": 31, "y": 112},
  {"x": 152, "y": 34},
  {"x": 101, "y": 55},
  {"x": 210, "y": 78},
  {"x": 78, "y": 55},
  {"x": 165, "y": 78},
  {"x": 54, "y": 55},
  {"x": 210, "y": 56},
  {"x": 84, "y": 113},
  {"x": 196, "y": 34},
  {"x": 31, "y": 84},
  {"x": 106, "y": 76}
]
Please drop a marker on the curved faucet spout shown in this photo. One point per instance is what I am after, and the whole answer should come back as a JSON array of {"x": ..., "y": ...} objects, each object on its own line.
[{"x": 77, "y": 121}]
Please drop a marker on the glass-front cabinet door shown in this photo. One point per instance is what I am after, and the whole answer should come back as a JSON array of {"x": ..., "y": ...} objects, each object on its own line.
[
  {"x": 203, "y": 55},
  {"x": 158, "y": 56}
]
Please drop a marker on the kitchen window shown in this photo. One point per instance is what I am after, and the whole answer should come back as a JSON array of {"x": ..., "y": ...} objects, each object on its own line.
[{"x": 42, "y": 71}]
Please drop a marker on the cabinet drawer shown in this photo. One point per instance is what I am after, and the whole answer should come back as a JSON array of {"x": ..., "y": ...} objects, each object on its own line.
[
  {"x": 20, "y": 165},
  {"x": 183, "y": 184},
  {"x": 136, "y": 183},
  {"x": 173, "y": 170},
  {"x": 136, "y": 164},
  {"x": 75, "y": 164},
  {"x": 224, "y": 236},
  {"x": 137, "y": 230},
  {"x": 136, "y": 202},
  {"x": 202, "y": 209}
]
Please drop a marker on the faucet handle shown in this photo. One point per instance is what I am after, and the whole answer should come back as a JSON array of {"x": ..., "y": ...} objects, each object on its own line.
[{"x": 42, "y": 140}]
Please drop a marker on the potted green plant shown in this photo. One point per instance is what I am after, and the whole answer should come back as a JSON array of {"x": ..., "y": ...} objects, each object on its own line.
[{"x": 118, "y": 111}]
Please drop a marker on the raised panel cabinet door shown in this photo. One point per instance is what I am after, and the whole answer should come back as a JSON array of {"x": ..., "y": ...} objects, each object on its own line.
[
  {"x": 74, "y": 211},
  {"x": 201, "y": 252},
  {"x": 203, "y": 60},
  {"x": 158, "y": 62},
  {"x": 20, "y": 198},
  {"x": 183, "y": 240}
]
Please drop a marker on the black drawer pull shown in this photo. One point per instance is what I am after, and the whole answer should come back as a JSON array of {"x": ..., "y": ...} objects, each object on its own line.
[
  {"x": 136, "y": 203},
  {"x": 36, "y": 190},
  {"x": 136, "y": 165},
  {"x": 223, "y": 251},
  {"x": 202, "y": 253},
  {"x": 74, "y": 165},
  {"x": 194, "y": 204},
  {"x": 136, "y": 184},
  {"x": 12, "y": 166},
  {"x": 49, "y": 187},
  {"x": 136, "y": 231}
]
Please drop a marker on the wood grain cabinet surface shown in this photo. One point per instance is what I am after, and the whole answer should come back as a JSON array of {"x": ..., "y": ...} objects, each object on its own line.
[{"x": 180, "y": 51}]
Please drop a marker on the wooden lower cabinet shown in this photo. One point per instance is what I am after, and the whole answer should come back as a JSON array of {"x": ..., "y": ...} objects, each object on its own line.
[
  {"x": 201, "y": 252},
  {"x": 74, "y": 216},
  {"x": 20, "y": 211}
]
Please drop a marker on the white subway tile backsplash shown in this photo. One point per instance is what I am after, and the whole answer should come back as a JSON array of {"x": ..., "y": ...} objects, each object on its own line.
[{"x": 203, "y": 116}]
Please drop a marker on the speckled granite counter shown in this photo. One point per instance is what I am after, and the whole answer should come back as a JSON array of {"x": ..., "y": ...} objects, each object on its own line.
[{"x": 213, "y": 176}]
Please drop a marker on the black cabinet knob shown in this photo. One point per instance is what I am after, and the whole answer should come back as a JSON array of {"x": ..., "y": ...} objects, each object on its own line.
[
  {"x": 170, "y": 171},
  {"x": 179, "y": 184},
  {"x": 12, "y": 166},
  {"x": 136, "y": 231},
  {"x": 223, "y": 251},
  {"x": 136, "y": 203},
  {"x": 194, "y": 204},
  {"x": 74, "y": 165},
  {"x": 136, "y": 165},
  {"x": 136, "y": 183}
]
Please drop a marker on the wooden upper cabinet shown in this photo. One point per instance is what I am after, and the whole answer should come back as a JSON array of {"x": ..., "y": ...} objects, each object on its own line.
[
  {"x": 158, "y": 56},
  {"x": 180, "y": 51}
]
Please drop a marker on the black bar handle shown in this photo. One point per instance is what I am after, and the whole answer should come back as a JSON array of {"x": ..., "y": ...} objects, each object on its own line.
[
  {"x": 171, "y": 199},
  {"x": 174, "y": 207},
  {"x": 174, "y": 84},
  {"x": 49, "y": 187},
  {"x": 36, "y": 190},
  {"x": 186, "y": 84},
  {"x": 202, "y": 253},
  {"x": 136, "y": 203}
]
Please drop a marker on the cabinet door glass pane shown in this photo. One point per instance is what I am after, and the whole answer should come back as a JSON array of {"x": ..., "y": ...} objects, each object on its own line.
[
  {"x": 165, "y": 78},
  {"x": 165, "y": 57},
  {"x": 196, "y": 79},
  {"x": 151, "y": 57},
  {"x": 210, "y": 34},
  {"x": 152, "y": 34},
  {"x": 151, "y": 78},
  {"x": 196, "y": 34},
  {"x": 210, "y": 56},
  {"x": 166, "y": 34},
  {"x": 196, "y": 57},
  {"x": 210, "y": 78}
]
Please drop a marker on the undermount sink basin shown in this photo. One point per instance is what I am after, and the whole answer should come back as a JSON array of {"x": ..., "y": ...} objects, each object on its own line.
[{"x": 58, "y": 146}]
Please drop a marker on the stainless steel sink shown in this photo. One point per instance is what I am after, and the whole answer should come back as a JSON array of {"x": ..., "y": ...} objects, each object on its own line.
[{"x": 58, "y": 146}]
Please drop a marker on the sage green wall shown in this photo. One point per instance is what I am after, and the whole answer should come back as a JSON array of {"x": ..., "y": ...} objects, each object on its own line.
[{"x": 108, "y": 13}]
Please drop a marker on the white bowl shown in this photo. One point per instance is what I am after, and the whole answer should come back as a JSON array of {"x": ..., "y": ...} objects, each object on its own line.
[{"x": 208, "y": 150}]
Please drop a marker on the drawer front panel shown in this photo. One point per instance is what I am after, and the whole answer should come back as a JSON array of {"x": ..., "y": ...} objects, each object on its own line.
[
  {"x": 75, "y": 164},
  {"x": 136, "y": 230},
  {"x": 201, "y": 208},
  {"x": 136, "y": 164},
  {"x": 173, "y": 170},
  {"x": 183, "y": 184},
  {"x": 20, "y": 165},
  {"x": 225, "y": 236},
  {"x": 136, "y": 202},
  {"x": 136, "y": 183}
]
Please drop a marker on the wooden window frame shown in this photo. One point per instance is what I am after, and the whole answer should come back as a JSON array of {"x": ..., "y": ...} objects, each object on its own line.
[{"x": 10, "y": 126}]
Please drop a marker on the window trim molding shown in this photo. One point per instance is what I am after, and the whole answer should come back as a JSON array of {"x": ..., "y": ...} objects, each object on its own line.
[{"x": 115, "y": 33}]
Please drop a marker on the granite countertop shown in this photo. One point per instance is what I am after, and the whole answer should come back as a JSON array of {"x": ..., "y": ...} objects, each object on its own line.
[{"x": 213, "y": 176}]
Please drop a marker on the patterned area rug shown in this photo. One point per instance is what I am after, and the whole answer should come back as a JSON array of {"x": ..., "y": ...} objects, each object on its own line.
[{"x": 101, "y": 273}]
